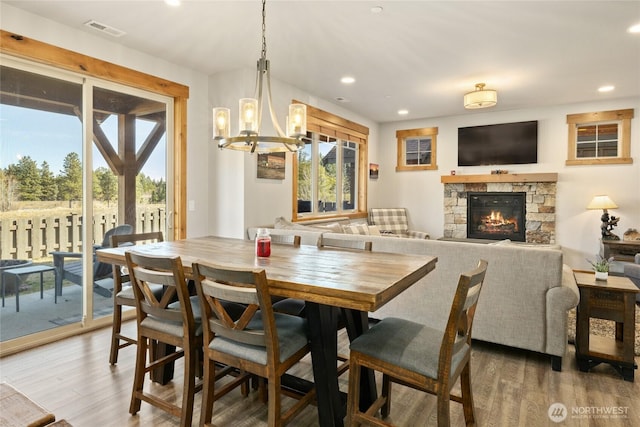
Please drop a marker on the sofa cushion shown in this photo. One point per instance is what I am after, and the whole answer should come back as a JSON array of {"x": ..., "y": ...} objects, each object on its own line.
[{"x": 364, "y": 229}]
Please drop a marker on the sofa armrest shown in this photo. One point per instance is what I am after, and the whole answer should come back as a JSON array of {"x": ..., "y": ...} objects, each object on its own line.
[{"x": 560, "y": 300}]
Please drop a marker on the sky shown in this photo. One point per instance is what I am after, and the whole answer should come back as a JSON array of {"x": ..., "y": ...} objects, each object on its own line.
[{"x": 50, "y": 137}]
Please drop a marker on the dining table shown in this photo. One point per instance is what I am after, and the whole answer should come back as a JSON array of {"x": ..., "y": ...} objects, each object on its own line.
[{"x": 333, "y": 283}]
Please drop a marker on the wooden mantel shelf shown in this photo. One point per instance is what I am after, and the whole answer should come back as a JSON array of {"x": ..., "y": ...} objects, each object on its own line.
[{"x": 507, "y": 177}]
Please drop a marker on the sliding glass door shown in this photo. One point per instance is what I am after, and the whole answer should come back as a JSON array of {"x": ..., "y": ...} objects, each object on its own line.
[{"x": 78, "y": 157}]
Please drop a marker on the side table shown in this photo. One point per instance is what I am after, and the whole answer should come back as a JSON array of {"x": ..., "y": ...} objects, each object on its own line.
[
  {"x": 18, "y": 275},
  {"x": 613, "y": 299}
]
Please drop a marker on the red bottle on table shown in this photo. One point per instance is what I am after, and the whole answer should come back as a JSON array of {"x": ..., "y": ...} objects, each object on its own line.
[{"x": 263, "y": 243}]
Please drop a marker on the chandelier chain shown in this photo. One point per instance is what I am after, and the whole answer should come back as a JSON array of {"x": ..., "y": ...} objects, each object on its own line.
[{"x": 264, "y": 29}]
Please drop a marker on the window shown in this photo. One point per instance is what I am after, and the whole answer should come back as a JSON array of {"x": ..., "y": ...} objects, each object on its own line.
[
  {"x": 600, "y": 138},
  {"x": 330, "y": 172},
  {"x": 417, "y": 149}
]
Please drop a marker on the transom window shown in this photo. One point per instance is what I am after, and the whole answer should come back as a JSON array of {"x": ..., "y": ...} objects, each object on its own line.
[
  {"x": 597, "y": 140},
  {"x": 600, "y": 138},
  {"x": 417, "y": 149}
]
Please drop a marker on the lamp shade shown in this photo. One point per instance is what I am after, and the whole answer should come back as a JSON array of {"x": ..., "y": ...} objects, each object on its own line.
[
  {"x": 602, "y": 202},
  {"x": 480, "y": 98}
]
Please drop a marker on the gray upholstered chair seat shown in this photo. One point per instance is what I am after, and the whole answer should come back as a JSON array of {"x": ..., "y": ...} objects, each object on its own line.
[
  {"x": 292, "y": 336},
  {"x": 127, "y": 291},
  {"x": 411, "y": 346}
]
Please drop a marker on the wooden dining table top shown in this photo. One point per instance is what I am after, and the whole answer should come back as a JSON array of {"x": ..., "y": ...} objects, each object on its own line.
[{"x": 344, "y": 278}]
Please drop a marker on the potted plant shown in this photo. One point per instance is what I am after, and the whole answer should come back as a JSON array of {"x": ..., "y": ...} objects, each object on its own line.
[{"x": 601, "y": 267}]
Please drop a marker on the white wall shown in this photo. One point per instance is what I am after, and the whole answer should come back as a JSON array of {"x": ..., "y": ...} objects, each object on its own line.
[
  {"x": 44, "y": 30},
  {"x": 577, "y": 229}
]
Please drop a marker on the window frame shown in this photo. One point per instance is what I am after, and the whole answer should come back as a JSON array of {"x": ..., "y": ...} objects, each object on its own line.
[
  {"x": 333, "y": 126},
  {"x": 621, "y": 117},
  {"x": 403, "y": 135}
]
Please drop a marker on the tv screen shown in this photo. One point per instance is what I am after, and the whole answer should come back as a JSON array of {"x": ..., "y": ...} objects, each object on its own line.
[{"x": 501, "y": 144}]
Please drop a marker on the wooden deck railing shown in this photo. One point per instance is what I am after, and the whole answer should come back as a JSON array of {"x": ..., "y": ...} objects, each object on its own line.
[{"x": 33, "y": 238}]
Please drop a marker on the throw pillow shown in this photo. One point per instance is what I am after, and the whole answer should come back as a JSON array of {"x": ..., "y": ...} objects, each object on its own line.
[{"x": 356, "y": 229}]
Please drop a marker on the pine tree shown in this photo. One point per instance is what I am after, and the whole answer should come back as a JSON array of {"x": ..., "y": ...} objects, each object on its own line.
[
  {"x": 27, "y": 175},
  {"x": 70, "y": 179},
  {"x": 107, "y": 183},
  {"x": 48, "y": 183}
]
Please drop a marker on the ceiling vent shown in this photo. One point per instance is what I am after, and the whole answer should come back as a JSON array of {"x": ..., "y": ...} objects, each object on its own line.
[{"x": 113, "y": 32}]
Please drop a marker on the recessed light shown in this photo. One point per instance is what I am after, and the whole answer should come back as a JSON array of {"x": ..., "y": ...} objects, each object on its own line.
[
  {"x": 172, "y": 2},
  {"x": 607, "y": 88},
  {"x": 347, "y": 80},
  {"x": 634, "y": 29},
  {"x": 341, "y": 99},
  {"x": 376, "y": 9},
  {"x": 403, "y": 112}
]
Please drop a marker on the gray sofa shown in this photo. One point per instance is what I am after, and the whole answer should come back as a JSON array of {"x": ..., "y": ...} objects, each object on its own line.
[{"x": 524, "y": 302}]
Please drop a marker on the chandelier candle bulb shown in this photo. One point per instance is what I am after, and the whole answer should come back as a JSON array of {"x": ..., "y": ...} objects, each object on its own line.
[
  {"x": 221, "y": 117},
  {"x": 248, "y": 115},
  {"x": 297, "y": 123}
]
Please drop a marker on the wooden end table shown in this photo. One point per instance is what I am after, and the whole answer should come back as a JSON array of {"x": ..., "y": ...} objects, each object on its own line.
[{"x": 613, "y": 299}]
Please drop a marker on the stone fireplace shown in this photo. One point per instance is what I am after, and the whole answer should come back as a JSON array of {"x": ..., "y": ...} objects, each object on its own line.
[{"x": 538, "y": 192}]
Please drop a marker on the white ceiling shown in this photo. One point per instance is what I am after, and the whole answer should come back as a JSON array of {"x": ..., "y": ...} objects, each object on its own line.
[{"x": 416, "y": 55}]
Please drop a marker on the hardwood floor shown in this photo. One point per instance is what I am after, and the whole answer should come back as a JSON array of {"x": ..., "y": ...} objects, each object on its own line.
[{"x": 73, "y": 379}]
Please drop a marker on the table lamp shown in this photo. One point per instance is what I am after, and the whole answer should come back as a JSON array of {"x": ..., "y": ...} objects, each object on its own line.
[{"x": 604, "y": 202}]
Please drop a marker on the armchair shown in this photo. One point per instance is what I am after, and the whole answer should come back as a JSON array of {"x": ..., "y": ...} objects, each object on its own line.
[
  {"x": 394, "y": 221},
  {"x": 72, "y": 271},
  {"x": 632, "y": 271}
]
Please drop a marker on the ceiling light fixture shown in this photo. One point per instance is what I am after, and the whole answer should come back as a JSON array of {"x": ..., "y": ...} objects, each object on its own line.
[
  {"x": 607, "y": 88},
  {"x": 634, "y": 29},
  {"x": 480, "y": 98},
  {"x": 403, "y": 112},
  {"x": 347, "y": 80},
  {"x": 250, "y": 119},
  {"x": 174, "y": 3}
]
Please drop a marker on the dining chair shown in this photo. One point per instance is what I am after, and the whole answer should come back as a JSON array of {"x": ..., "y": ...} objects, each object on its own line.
[
  {"x": 419, "y": 356},
  {"x": 123, "y": 291},
  {"x": 329, "y": 242},
  {"x": 261, "y": 342},
  {"x": 173, "y": 320},
  {"x": 291, "y": 306}
]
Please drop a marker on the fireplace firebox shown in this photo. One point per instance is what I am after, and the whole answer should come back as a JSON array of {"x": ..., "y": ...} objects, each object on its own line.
[{"x": 496, "y": 216}]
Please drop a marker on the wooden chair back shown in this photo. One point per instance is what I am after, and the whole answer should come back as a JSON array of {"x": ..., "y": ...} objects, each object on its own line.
[
  {"x": 286, "y": 239},
  {"x": 457, "y": 334},
  {"x": 120, "y": 274},
  {"x": 217, "y": 286},
  {"x": 147, "y": 271},
  {"x": 328, "y": 242}
]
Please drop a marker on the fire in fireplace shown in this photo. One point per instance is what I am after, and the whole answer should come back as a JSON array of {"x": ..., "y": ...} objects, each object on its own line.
[{"x": 496, "y": 216}]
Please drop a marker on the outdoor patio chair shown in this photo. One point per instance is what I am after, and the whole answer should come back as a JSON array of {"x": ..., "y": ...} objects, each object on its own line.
[{"x": 72, "y": 271}]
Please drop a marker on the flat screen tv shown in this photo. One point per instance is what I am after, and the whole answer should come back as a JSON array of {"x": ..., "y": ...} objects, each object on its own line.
[{"x": 501, "y": 144}]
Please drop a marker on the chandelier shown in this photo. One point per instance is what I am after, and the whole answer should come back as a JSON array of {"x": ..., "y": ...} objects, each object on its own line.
[{"x": 250, "y": 119}]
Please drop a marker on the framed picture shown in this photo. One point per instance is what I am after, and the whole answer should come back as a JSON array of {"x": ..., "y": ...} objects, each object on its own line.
[
  {"x": 271, "y": 165},
  {"x": 373, "y": 170}
]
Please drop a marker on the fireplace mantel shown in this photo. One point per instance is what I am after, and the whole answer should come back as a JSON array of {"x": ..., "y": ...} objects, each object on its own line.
[{"x": 507, "y": 177}]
